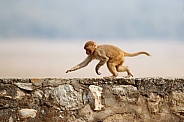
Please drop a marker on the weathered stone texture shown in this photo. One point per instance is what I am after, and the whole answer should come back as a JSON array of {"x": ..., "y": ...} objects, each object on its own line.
[{"x": 92, "y": 100}]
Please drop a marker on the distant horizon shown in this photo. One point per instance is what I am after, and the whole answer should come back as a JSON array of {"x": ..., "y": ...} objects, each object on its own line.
[{"x": 32, "y": 59}]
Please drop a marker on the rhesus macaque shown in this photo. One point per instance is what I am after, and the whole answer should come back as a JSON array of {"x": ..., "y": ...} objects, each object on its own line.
[{"x": 112, "y": 55}]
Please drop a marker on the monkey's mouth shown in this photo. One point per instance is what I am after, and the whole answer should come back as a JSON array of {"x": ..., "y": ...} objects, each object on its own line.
[{"x": 88, "y": 52}]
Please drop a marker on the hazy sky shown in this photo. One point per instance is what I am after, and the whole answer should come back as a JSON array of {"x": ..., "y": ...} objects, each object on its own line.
[{"x": 102, "y": 19}]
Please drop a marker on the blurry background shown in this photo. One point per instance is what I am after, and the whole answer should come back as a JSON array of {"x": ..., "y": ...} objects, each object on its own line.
[{"x": 43, "y": 38}]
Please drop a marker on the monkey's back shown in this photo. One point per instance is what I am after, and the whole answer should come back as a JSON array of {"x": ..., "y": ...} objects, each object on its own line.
[{"x": 111, "y": 51}]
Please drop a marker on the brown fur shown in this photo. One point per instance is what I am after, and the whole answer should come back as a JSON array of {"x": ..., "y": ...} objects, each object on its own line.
[{"x": 112, "y": 55}]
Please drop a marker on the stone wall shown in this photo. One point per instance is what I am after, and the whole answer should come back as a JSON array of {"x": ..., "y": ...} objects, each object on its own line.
[{"x": 92, "y": 100}]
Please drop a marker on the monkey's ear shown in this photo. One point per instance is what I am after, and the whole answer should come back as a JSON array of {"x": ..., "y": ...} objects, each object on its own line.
[{"x": 95, "y": 45}]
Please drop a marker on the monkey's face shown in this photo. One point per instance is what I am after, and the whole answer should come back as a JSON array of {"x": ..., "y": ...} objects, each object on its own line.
[
  {"x": 90, "y": 47},
  {"x": 88, "y": 52}
]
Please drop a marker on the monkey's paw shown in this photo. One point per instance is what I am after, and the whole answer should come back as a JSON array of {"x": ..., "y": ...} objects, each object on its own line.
[
  {"x": 68, "y": 71},
  {"x": 97, "y": 72}
]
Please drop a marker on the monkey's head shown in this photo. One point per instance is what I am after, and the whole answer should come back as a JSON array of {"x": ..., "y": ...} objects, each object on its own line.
[{"x": 90, "y": 47}]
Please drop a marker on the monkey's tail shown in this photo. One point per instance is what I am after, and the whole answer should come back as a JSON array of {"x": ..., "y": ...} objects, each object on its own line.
[{"x": 135, "y": 54}]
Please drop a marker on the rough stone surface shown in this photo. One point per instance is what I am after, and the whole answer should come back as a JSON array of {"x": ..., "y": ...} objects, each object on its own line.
[
  {"x": 27, "y": 113},
  {"x": 96, "y": 92},
  {"x": 92, "y": 100}
]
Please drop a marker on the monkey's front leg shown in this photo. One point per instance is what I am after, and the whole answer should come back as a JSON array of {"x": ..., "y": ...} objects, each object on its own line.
[
  {"x": 96, "y": 69},
  {"x": 101, "y": 63},
  {"x": 74, "y": 68},
  {"x": 81, "y": 65}
]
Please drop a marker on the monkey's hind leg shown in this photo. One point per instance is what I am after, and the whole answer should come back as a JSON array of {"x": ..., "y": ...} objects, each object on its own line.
[
  {"x": 122, "y": 68},
  {"x": 112, "y": 69}
]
